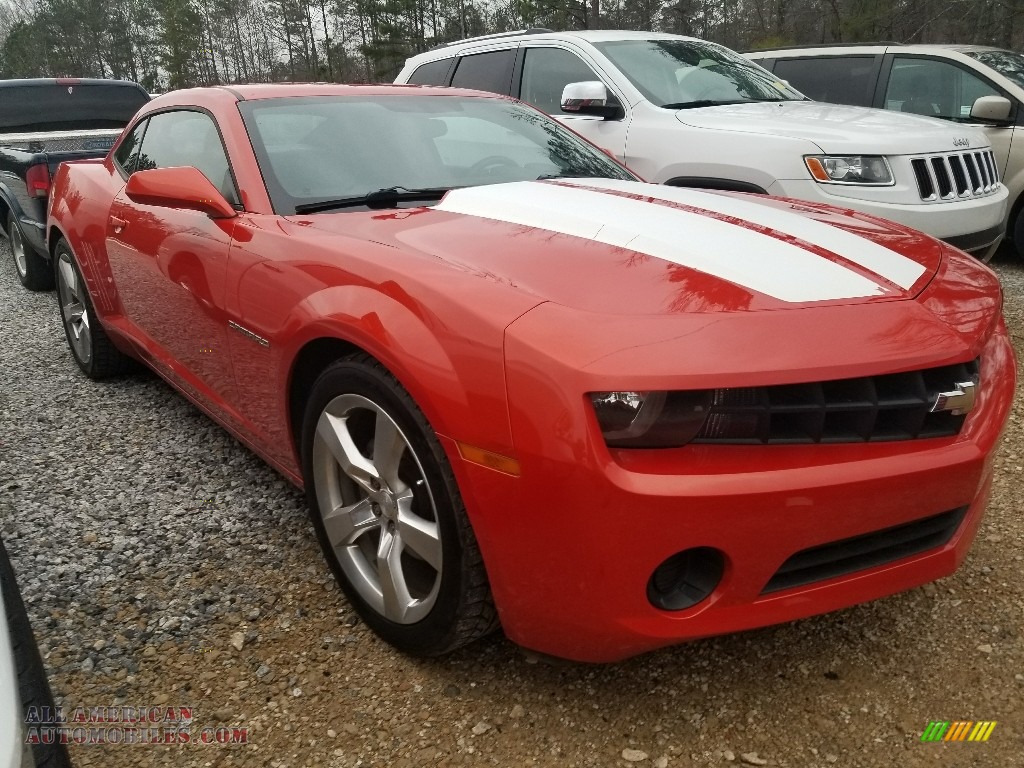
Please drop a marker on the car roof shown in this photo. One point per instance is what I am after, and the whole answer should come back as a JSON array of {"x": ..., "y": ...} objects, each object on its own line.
[
  {"x": 960, "y": 47},
  {"x": 587, "y": 35},
  {"x": 40, "y": 82},
  {"x": 234, "y": 93}
]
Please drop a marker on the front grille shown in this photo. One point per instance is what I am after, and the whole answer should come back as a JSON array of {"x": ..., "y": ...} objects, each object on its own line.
[
  {"x": 867, "y": 551},
  {"x": 894, "y": 406},
  {"x": 955, "y": 176}
]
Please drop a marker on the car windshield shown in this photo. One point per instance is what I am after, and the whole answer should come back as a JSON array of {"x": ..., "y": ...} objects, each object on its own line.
[
  {"x": 1006, "y": 63},
  {"x": 677, "y": 74},
  {"x": 325, "y": 153}
]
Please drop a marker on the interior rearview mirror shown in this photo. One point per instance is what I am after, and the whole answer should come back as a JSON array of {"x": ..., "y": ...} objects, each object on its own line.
[
  {"x": 185, "y": 187},
  {"x": 991, "y": 109},
  {"x": 590, "y": 98}
]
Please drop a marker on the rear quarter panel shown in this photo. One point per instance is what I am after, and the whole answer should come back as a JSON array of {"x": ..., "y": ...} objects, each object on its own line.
[{"x": 80, "y": 200}]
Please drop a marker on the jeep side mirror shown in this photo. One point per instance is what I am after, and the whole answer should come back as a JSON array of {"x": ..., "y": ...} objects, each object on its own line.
[
  {"x": 590, "y": 98},
  {"x": 991, "y": 109}
]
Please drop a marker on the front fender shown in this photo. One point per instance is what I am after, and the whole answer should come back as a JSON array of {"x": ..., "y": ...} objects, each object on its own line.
[{"x": 388, "y": 330}]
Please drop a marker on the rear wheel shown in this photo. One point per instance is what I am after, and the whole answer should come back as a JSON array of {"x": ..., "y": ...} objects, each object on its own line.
[
  {"x": 388, "y": 513},
  {"x": 92, "y": 349},
  {"x": 32, "y": 269}
]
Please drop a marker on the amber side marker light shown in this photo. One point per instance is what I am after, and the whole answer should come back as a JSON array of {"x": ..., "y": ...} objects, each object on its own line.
[
  {"x": 489, "y": 459},
  {"x": 816, "y": 169}
]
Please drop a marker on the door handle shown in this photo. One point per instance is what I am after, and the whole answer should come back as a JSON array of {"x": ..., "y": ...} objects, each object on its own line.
[{"x": 118, "y": 224}]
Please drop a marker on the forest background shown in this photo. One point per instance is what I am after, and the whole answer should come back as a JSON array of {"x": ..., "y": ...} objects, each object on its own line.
[{"x": 166, "y": 44}]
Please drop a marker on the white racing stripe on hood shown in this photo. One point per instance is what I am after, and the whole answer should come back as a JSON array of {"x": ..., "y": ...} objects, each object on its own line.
[
  {"x": 742, "y": 256},
  {"x": 892, "y": 266}
]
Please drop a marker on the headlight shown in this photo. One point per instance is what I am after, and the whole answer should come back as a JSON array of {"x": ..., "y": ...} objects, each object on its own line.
[
  {"x": 650, "y": 419},
  {"x": 849, "y": 169}
]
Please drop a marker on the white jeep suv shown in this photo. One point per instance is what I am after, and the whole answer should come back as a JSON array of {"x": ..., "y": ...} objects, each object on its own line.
[
  {"x": 687, "y": 112},
  {"x": 944, "y": 81}
]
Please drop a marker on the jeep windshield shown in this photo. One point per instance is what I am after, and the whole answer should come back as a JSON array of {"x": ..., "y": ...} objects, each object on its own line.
[
  {"x": 335, "y": 153},
  {"x": 1007, "y": 63},
  {"x": 681, "y": 74}
]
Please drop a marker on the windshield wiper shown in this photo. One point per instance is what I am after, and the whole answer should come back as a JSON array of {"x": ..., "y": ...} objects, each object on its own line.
[
  {"x": 546, "y": 176},
  {"x": 696, "y": 104},
  {"x": 712, "y": 103},
  {"x": 388, "y": 197}
]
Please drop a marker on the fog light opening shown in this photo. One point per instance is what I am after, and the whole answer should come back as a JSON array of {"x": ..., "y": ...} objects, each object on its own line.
[{"x": 686, "y": 578}]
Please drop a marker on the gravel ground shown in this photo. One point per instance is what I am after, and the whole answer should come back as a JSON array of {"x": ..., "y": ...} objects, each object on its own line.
[{"x": 163, "y": 564}]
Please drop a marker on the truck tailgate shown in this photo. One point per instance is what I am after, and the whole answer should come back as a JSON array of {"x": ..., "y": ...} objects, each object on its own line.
[{"x": 61, "y": 141}]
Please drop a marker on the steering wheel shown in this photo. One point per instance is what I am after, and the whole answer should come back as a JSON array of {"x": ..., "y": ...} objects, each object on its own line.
[{"x": 486, "y": 164}]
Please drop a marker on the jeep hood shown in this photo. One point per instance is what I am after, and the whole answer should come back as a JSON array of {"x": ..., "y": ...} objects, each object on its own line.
[{"x": 838, "y": 129}]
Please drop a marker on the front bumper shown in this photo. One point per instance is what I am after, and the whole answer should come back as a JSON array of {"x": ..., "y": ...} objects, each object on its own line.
[
  {"x": 973, "y": 225},
  {"x": 571, "y": 543}
]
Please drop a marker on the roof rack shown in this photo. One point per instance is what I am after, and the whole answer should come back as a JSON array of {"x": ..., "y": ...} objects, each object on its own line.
[
  {"x": 497, "y": 36},
  {"x": 822, "y": 45}
]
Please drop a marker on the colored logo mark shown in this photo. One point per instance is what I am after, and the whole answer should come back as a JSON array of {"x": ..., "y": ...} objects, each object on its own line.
[{"x": 958, "y": 730}]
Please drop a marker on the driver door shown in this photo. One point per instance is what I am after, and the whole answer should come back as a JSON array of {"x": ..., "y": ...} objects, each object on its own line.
[
  {"x": 169, "y": 264},
  {"x": 546, "y": 72}
]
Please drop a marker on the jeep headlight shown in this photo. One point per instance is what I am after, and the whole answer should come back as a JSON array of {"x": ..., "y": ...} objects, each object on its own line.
[{"x": 849, "y": 169}]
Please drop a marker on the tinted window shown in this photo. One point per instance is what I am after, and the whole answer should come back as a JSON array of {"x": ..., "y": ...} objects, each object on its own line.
[
  {"x": 176, "y": 139},
  {"x": 431, "y": 73},
  {"x": 486, "y": 71},
  {"x": 835, "y": 79},
  {"x": 328, "y": 148},
  {"x": 934, "y": 88},
  {"x": 127, "y": 155},
  {"x": 546, "y": 71},
  {"x": 49, "y": 106}
]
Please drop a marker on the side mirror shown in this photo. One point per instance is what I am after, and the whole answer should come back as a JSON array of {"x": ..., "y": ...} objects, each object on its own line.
[
  {"x": 991, "y": 109},
  {"x": 184, "y": 187},
  {"x": 590, "y": 98}
]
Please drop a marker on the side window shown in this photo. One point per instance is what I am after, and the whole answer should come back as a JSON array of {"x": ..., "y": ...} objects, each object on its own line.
[
  {"x": 934, "y": 88},
  {"x": 182, "y": 138},
  {"x": 486, "y": 71},
  {"x": 546, "y": 71},
  {"x": 431, "y": 73},
  {"x": 127, "y": 155},
  {"x": 835, "y": 79}
]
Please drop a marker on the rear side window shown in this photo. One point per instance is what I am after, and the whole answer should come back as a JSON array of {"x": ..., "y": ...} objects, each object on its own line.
[
  {"x": 127, "y": 155},
  {"x": 486, "y": 71},
  {"x": 431, "y": 73},
  {"x": 835, "y": 79}
]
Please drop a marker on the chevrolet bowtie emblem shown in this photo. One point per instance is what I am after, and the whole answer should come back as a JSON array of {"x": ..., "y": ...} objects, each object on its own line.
[{"x": 959, "y": 401}]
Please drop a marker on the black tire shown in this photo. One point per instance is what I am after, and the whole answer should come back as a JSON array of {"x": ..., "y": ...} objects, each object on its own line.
[
  {"x": 92, "y": 349},
  {"x": 1018, "y": 233},
  {"x": 32, "y": 269},
  {"x": 454, "y": 604},
  {"x": 33, "y": 687}
]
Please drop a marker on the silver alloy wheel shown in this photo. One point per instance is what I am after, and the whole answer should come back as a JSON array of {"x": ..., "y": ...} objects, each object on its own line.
[
  {"x": 377, "y": 509},
  {"x": 18, "y": 248},
  {"x": 72, "y": 308}
]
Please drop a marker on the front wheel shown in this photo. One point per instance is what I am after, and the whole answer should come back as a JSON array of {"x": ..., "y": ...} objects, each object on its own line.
[
  {"x": 1018, "y": 233},
  {"x": 32, "y": 270},
  {"x": 388, "y": 513}
]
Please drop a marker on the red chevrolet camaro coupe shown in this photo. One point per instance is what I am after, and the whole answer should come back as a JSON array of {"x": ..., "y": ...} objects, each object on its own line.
[{"x": 521, "y": 387}]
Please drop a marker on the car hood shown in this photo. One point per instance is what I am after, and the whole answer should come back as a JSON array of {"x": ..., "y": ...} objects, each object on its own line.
[
  {"x": 836, "y": 128},
  {"x": 620, "y": 247}
]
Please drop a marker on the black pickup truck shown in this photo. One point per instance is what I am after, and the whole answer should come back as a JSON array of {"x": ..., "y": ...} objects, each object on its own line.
[{"x": 43, "y": 123}]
